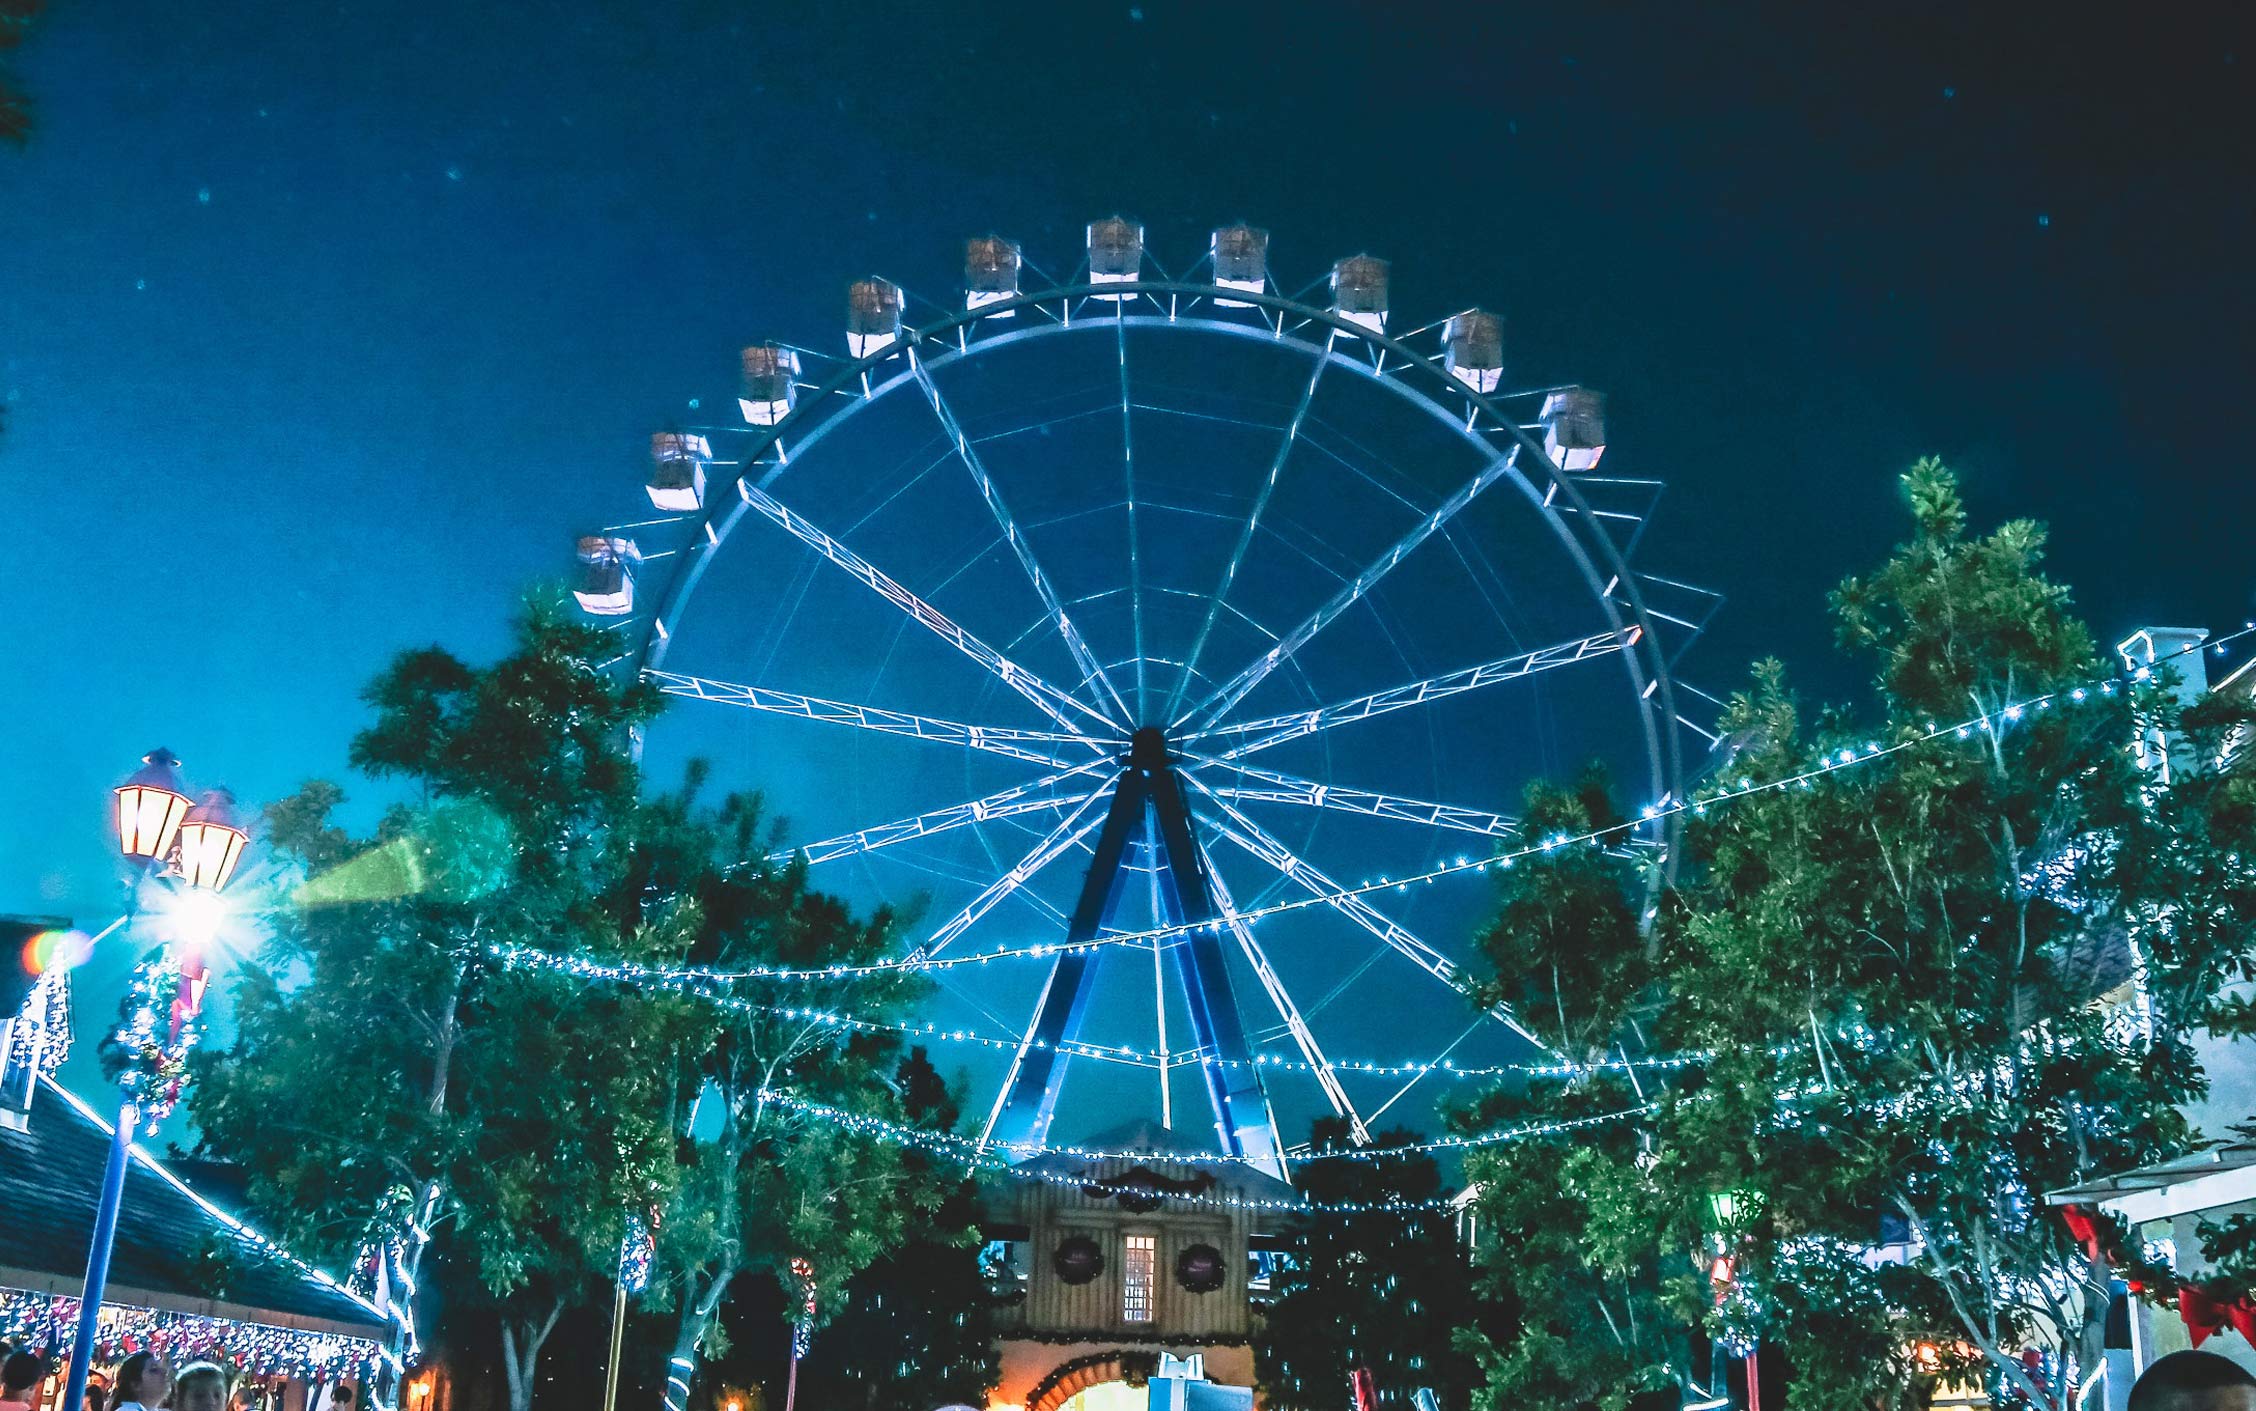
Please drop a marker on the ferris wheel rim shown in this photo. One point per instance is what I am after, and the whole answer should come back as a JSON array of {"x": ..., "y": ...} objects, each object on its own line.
[{"x": 1646, "y": 664}]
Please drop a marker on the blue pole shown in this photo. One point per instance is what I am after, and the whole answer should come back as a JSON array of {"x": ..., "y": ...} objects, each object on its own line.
[{"x": 98, "y": 1257}]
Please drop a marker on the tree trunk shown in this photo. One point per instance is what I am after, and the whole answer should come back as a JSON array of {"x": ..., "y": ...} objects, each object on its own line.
[
  {"x": 521, "y": 1341},
  {"x": 698, "y": 1308}
]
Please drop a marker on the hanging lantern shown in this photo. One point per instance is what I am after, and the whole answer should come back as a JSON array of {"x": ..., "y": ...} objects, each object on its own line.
[
  {"x": 150, "y": 807},
  {"x": 211, "y": 842}
]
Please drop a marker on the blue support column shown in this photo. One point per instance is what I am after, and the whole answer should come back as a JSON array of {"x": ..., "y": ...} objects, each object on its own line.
[
  {"x": 98, "y": 1257},
  {"x": 1242, "y": 1120},
  {"x": 1030, "y": 1093},
  {"x": 1148, "y": 798}
]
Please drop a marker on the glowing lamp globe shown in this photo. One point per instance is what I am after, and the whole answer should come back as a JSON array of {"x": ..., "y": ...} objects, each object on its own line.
[
  {"x": 211, "y": 842},
  {"x": 150, "y": 807},
  {"x": 1729, "y": 1210}
]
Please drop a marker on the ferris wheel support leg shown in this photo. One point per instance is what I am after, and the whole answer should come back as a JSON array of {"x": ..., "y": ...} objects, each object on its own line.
[
  {"x": 1242, "y": 1118},
  {"x": 1149, "y": 795},
  {"x": 1022, "y": 1113}
]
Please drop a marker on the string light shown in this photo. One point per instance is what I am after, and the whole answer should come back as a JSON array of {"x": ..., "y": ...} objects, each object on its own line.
[
  {"x": 43, "y": 1320},
  {"x": 152, "y": 1051},
  {"x": 968, "y": 1153},
  {"x": 527, "y": 958},
  {"x": 1697, "y": 806},
  {"x": 974, "y": 1150},
  {"x": 637, "y": 1249}
]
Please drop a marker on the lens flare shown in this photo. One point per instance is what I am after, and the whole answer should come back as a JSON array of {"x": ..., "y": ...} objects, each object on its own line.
[{"x": 56, "y": 950}]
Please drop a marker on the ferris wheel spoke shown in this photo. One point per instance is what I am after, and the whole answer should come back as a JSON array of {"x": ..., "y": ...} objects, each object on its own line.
[
  {"x": 1014, "y": 536},
  {"x": 1218, "y": 703},
  {"x": 1277, "y": 729},
  {"x": 1275, "y": 786},
  {"x": 1009, "y": 803},
  {"x": 1245, "y": 534},
  {"x": 1254, "y": 840},
  {"x": 1048, "y": 699},
  {"x": 1002, "y": 740},
  {"x": 1069, "y": 831},
  {"x": 1135, "y": 545},
  {"x": 1281, "y": 999}
]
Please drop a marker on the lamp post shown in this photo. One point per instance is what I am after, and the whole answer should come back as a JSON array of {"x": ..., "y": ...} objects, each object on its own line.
[
  {"x": 194, "y": 849},
  {"x": 1729, "y": 1213}
]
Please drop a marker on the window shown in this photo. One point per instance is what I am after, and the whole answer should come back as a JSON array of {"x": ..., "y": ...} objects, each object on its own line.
[{"x": 1136, "y": 1278}]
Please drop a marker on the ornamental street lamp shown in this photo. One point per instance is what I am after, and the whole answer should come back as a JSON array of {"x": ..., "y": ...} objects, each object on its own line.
[
  {"x": 150, "y": 808},
  {"x": 193, "y": 851},
  {"x": 1730, "y": 1212},
  {"x": 211, "y": 842}
]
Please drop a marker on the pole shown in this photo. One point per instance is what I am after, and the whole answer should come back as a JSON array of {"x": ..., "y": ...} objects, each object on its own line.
[
  {"x": 791, "y": 1384},
  {"x": 618, "y": 1337},
  {"x": 98, "y": 1257}
]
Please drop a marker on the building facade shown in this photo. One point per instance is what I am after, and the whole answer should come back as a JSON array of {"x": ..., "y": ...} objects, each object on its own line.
[{"x": 1147, "y": 1264}]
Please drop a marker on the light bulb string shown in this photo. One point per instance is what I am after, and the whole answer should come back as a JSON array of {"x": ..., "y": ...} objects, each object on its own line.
[
  {"x": 975, "y": 1148},
  {"x": 525, "y": 957},
  {"x": 1831, "y": 763}
]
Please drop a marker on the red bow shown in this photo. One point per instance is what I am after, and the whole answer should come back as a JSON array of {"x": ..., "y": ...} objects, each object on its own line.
[
  {"x": 2085, "y": 1229},
  {"x": 2242, "y": 1311},
  {"x": 2202, "y": 1314}
]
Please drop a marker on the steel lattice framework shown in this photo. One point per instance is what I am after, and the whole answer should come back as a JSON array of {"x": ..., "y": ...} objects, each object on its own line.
[{"x": 1142, "y": 764}]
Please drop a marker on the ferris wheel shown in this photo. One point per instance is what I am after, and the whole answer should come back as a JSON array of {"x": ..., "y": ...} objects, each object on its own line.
[{"x": 1134, "y": 629}]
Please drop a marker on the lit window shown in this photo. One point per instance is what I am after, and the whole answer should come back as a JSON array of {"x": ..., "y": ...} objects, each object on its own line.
[{"x": 1136, "y": 1279}]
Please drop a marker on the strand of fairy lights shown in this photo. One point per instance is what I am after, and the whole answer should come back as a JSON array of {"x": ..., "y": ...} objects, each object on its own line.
[
  {"x": 948, "y": 1143},
  {"x": 529, "y": 958},
  {"x": 1831, "y": 763}
]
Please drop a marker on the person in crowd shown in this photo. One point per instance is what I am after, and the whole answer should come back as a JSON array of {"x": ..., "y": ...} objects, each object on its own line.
[
  {"x": 20, "y": 1377},
  {"x": 142, "y": 1381},
  {"x": 97, "y": 1392},
  {"x": 341, "y": 1399},
  {"x": 201, "y": 1386},
  {"x": 2194, "y": 1381}
]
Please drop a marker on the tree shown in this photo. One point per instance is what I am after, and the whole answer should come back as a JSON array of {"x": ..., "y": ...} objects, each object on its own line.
[
  {"x": 1892, "y": 969},
  {"x": 1386, "y": 1291},
  {"x": 916, "y": 1328},
  {"x": 767, "y": 1181},
  {"x": 380, "y": 1051}
]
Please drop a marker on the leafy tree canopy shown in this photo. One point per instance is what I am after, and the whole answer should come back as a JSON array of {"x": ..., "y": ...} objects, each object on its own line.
[
  {"x": 1383, "y": 1291},
  {"x": 1912, "y": 977}
]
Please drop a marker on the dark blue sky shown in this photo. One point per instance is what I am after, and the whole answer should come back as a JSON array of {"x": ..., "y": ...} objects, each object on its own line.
[{"x": 323, "y": 327}]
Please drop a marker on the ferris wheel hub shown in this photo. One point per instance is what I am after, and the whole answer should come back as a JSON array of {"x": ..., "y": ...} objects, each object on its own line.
[{"x": 1147, "y": 750}]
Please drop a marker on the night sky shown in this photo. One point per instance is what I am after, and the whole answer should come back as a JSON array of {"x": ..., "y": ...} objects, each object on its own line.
[{"x": 322, "y": 328}]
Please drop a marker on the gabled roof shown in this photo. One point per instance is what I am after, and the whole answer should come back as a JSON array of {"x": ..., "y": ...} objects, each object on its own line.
[{"x": 50, "y": 1181}]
